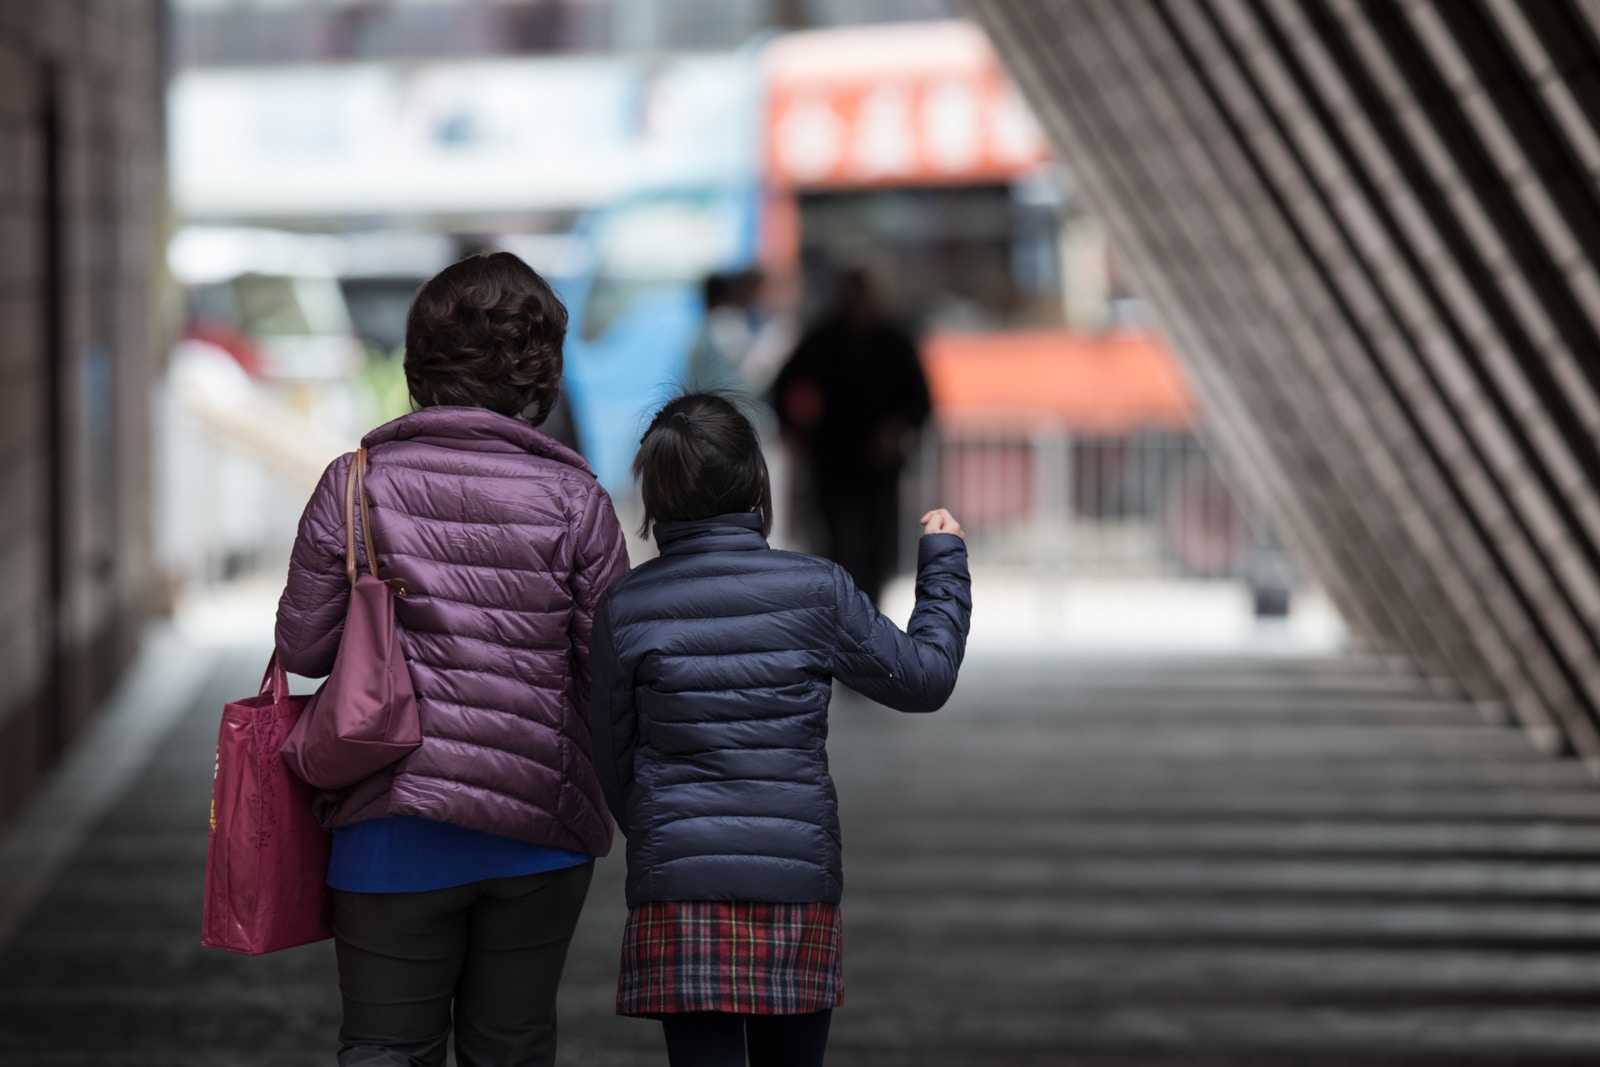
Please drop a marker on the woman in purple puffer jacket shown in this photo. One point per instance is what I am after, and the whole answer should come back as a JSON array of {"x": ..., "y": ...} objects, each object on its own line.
[{"x": 458, "y": 872}]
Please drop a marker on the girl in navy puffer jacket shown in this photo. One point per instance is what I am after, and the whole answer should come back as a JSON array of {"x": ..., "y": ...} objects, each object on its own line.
[{"x": 713, "y": 667}]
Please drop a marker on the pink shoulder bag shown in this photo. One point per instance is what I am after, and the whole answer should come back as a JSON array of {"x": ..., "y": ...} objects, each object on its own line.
[{"x": 364, "y": 717}]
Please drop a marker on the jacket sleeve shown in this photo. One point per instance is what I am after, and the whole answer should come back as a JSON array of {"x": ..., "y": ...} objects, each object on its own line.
[
  {"x": 601, "y": 558},
  {"x": 312, "y": 609},
  {"x": 915, "y": 670},
  {"x": 615, "y": 719}
]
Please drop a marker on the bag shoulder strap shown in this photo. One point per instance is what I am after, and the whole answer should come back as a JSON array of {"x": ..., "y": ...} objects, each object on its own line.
[
  {"x": 355, "y": 489},
  {"x": 366, "y": 520}
]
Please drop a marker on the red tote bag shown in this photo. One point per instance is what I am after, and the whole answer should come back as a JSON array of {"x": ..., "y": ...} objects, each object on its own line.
[{"x": 267, "y": 859}]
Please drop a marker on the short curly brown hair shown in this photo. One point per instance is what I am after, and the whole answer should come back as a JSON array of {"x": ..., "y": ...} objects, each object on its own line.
[{"x": 486, "y": 332}]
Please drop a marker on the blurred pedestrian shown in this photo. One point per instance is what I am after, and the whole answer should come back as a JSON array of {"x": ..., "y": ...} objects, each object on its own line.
[
  {"x": 852, "y": 398},
  {"x": 741, "y": 345},
  {"x": 713, "y": 668},
  {"x": 726, "y": 332},
  {"x": 741, "y": 342},
  {"x": 458, "y": 872}
]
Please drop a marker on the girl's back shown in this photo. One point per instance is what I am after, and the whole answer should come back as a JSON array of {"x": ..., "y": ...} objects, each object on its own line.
[{"x": 713, "y": 669}]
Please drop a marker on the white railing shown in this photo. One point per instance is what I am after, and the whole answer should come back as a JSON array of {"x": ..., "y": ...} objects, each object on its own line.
[
  {"x": 236, "y": 466},
  {"x": 1033, "y": 493}
]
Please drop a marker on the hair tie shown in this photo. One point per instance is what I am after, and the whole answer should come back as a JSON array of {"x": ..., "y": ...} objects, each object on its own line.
[{"x": 678, "y": 416}]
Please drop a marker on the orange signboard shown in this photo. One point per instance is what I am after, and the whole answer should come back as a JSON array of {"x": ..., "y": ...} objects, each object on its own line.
[
  {"x": 1106, "y": 383},
  {"x": 898, "y": 105}
]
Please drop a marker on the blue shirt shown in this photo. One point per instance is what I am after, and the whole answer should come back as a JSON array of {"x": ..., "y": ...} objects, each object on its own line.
[{"x": 408, "y": 854}]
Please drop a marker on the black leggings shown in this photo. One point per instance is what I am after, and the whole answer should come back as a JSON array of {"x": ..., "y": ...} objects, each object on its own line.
[
  {"x": 718, "y": 1039},
  {"x": 483, "y": 959}
]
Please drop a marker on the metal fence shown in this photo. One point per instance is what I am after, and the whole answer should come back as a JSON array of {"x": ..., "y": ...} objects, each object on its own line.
[
  {"x": 1030, "y": 494},
  {"x": 1145, "y": 504}
]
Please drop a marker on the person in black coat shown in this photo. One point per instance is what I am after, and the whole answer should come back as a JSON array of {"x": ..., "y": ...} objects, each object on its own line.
[
  {"x": 713, "y": 669},
  {"x": 852, "y": 398}
]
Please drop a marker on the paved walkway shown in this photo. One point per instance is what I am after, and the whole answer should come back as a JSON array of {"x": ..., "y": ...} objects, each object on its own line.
[{"x": 1219, "y": 861}]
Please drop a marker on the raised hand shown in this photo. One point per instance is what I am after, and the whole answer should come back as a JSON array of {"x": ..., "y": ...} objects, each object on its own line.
[{"x": 941, "y": 521}]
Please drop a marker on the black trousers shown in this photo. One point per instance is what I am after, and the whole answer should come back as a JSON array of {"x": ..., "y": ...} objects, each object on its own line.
[
  {"x": 484, "y": 957},
  {"x": 720, "y": 1039}
]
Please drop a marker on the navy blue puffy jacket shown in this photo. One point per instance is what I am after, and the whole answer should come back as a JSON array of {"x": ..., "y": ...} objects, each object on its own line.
[{"x": 713, "y": 666}]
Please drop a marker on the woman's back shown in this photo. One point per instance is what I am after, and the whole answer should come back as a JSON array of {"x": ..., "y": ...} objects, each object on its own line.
[
  {"x": 504, "y": 541},
  {"x": 458, "y": 873}
]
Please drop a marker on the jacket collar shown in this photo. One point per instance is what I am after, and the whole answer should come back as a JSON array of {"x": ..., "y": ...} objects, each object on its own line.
[
  {"x": 473, "y": 430},
  {"x": 737, "y": 532}
]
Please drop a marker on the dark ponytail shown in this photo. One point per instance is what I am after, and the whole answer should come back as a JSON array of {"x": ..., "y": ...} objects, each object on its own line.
[{"x": 701, "y": 457}]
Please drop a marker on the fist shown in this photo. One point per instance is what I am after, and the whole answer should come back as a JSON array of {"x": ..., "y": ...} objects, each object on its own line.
[{"x": 941, "y": 521}]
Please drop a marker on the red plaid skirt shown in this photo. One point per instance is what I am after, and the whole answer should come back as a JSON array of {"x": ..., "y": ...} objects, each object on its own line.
[{"x": 751, "y": 958}]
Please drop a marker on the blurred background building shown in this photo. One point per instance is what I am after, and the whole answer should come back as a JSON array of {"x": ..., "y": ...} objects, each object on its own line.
[{"x": 328, "y": 156}]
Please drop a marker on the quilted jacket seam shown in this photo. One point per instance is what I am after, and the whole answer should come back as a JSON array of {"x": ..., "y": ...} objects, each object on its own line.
[
  {"x": 655, "y": 578},
  {"x": 819, "y": 606},
  {"x": 723, "y": 722},
  {"x": 539, "y": 650},
  {"x": 513, "y": 797},
  {"x": 411, "y": 596},
  {"x": 558, "y": 471},
  {"x": 494, "y": 567},
  {"x": 561, "y": 688},
  {"x": 503, "y": 751},
  {"x": 675, "y": 654},
  {"x": 444, "y": 702},
  {"x": 744, "y": 856}
]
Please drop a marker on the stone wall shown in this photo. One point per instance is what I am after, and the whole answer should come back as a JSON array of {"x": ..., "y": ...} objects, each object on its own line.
[{"x": 82, "y": 197}]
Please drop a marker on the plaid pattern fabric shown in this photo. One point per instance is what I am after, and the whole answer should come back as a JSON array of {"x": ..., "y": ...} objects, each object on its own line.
[{"x": 747, "y": 957}]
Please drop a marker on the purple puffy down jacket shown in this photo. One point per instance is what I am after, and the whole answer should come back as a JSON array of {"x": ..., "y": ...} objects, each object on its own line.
[{"x": 506, "y": 543}]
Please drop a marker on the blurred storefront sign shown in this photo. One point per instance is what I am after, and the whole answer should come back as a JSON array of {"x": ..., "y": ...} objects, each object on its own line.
[
  {"x": 907, "y": 149},
  {"x": 894, "y": 105}
]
